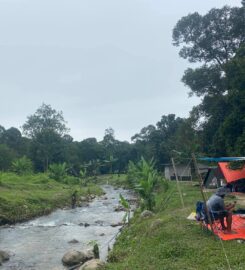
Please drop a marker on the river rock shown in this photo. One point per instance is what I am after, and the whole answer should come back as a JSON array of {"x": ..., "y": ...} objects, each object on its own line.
[
  {"x": 73, "y": 241},
  {"x": 99, "y": 222},
  {"x": 146, "y": 214},
  {"x": 92, "y": 265},
  {"x": 4, "y": 256},
  {"x": 119, "y": 208},
  {"x": 83, "y": 199},
  {"x": 86, "y": 224},
  {"x": 117, "y": 224},
  {"x": 74, "y": 257}
]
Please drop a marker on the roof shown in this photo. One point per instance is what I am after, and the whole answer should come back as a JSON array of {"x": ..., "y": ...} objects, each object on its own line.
[
  {"x": 222, "y": 159},
  {"x": 231, "y": 175}
]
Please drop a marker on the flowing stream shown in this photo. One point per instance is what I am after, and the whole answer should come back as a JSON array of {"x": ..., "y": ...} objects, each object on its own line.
[{"x": 42, "y": 242}]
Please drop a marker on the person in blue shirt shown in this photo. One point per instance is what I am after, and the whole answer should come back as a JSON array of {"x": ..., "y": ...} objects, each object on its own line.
[{"x": 219, "y": 211}]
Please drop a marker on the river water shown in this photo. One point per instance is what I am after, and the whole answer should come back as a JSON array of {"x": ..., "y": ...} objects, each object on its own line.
[{"x": 42, "y": 242}]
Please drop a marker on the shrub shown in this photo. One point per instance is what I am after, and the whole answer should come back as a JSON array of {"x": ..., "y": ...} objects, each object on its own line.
[
  {"x": 22, "y": 166},
  {"x": 58, "y": 172}
]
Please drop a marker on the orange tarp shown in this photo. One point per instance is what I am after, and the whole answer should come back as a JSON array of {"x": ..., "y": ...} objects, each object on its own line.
[
  {"x": 238, "y": 226},
  {"x": 231, "y": 175}
]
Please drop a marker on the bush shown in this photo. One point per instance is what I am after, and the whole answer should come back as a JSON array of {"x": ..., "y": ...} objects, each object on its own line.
[
  {"x": 58, "y": 172},
  {"x": 22, "y": 166},
  {"x": 144, "y": 178}
]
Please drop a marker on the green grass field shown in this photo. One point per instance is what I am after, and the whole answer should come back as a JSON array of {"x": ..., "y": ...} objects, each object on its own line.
[
  {"x": 24, "y": 197},
  {"x": 175, "y": 243}
]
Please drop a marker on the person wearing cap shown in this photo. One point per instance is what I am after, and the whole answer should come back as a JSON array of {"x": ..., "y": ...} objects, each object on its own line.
[{"x": 218, "y": 210}]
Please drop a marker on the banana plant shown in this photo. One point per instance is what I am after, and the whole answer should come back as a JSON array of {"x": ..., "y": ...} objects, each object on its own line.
[{"x": 126, "y": 205}]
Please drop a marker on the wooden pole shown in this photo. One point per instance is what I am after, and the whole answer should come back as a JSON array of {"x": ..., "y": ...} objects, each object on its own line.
[
  {"x": 202, "y": 192},
  {"x": 177, "y": 183}
]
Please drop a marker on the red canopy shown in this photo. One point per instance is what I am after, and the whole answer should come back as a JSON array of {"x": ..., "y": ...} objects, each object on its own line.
[{"x": 231, "y": 175}]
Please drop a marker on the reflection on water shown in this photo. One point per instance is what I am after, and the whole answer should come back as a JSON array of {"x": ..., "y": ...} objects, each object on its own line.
[{"x": 41, "y": 243}]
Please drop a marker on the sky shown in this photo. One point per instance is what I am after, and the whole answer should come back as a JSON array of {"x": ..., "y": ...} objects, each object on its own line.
[{"x": 103, "y": 63}]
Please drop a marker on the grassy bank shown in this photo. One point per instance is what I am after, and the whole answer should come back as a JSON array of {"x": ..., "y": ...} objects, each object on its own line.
[
  {"x": 24, "y": 197},
  {"x": 116, "y": 180},
  {"x": 173, "y": 242}
]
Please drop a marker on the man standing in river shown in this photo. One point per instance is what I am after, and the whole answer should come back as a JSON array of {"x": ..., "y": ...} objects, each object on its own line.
[{"x": 74, "y": 199}]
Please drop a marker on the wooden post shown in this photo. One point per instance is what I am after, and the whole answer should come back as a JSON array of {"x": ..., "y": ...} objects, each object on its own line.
[
  {"x": 201, "y": 189},
  {"x": 177, "y": 183}
]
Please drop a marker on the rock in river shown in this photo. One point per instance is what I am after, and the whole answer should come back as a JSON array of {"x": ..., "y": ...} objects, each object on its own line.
[
  {"x": 92, "y": 265},
  {"x": 4, "y": 256},
  {"x": 74, "y": 257}
]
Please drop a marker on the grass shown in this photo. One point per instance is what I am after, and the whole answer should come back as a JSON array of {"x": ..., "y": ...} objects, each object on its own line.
[
  {"x": 176, "y": 243},
  {"x": 24, "y": 197}
]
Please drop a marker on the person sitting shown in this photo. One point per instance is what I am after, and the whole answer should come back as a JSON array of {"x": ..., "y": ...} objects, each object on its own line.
[{"x": 219, "y": 211}]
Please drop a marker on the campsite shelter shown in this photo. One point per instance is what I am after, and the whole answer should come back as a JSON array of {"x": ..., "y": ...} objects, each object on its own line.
[
  {"x": 222, "y": 174},
  {"x": 184, "y": 171}
]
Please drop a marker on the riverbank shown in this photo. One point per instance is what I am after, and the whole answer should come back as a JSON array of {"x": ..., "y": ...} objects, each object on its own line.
[
  {"x": 26, "y": 197},
  {"x": 169, "y": 241},
  {"x": 42, "y": 242}
]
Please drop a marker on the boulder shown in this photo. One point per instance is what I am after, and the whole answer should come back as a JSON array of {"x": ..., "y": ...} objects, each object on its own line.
[
  {"x": 74, "y": 257},
  {"x": 92, "y": 265},
  {"x": 117, "y": 224},
  {"x": 146, "y": 214},
  {"x": 4, "y": 256},
  {"x": 156, "y": 224},
  {"x": 73, "y": 241},
  {"x": 83, "y": 199}
]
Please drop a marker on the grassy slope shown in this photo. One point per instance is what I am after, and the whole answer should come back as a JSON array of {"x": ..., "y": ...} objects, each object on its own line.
[
  {"x": 113, "y": 179},
  {"x": 23, "y": 197},
  {"x": 177, "y": 244}
]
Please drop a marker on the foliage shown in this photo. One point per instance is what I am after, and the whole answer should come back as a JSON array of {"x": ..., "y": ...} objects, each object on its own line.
[
  {"x": 126, "y": 205},
  {"x": 26, "y": 196},
  {"x": 216, "y": 40},
  {"x": 144, "y": 178},
  {"x": 176, "y": 243},
  {"x": 45, "y": 118},
  {"x": 58, "y": 172},
  {"x": 236, "y": 165},
  {"x": 22, "y": 166},
  {"x": 7, "y": 155}
]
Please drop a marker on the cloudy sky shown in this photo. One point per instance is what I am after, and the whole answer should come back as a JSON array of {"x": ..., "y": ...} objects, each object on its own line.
[{"x": 104, "y": 63}]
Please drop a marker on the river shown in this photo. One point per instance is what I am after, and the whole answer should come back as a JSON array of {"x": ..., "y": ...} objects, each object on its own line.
[{"x": 41, "y": 243}]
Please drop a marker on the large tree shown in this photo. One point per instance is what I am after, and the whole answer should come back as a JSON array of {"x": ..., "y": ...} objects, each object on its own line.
[
  {"x": 45, "y": 119},
  {"x": 213, "y": 40},
  {"x": 47, "y": 129}
]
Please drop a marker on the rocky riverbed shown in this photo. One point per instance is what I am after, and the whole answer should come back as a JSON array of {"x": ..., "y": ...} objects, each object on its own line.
[{"x": 42, "y": 242}]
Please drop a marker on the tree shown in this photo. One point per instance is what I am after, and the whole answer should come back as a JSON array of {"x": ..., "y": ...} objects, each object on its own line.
[
  {"x": 47, "y": 129},
  {"x": 47, "y": 147},
  {"x": 7, "y": 155},
  {"x": 109, "y": 142},
  {"x": 45, "y": 119},
  {"x": 213, "y": 39}
]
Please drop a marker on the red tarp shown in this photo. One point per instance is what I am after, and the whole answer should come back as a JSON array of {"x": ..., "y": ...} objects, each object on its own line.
[
  {"x": 231, "y": 175},
  {"x": 238, "y": 226}
]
